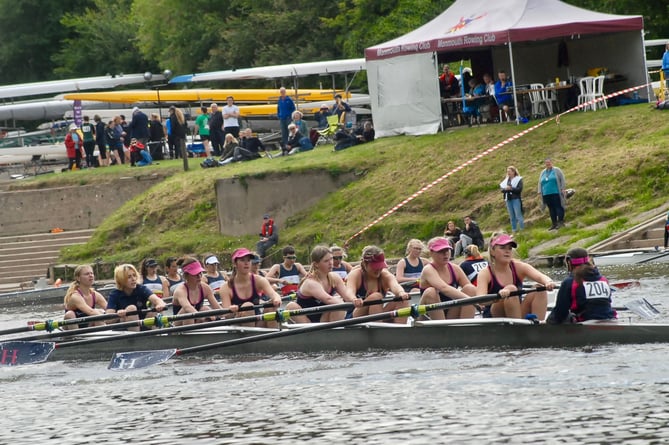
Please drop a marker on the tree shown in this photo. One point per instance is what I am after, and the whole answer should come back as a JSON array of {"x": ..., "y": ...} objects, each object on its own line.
[
  {"x": 30, "y": 32},
  {"x": 101, "y": 40}
]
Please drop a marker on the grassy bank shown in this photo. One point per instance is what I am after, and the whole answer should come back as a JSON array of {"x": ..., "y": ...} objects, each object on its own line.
[{"x": 616, "y": 160}]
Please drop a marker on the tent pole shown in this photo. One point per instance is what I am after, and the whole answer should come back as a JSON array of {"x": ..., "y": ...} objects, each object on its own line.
[{"x": 513, "y": 83}]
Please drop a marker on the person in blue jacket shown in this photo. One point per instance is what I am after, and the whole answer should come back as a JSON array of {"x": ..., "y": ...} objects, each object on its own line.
[
  {"x": 665, "y": 65},
  {"x": 584, "y": 295}
]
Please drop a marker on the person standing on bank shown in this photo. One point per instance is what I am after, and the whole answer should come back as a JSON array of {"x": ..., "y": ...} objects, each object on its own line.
[
  {"x": 512, "y": 187},
  {"x": 284, "y": 111},
  {"x": 665, "y": 67},
  {"x": 552, "y": 185},
  {"x": 231, "y": 117}
]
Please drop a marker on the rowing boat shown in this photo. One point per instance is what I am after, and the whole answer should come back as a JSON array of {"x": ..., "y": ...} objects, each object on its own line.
[
  {"x": 498, "y": 333},
  {"x": 631, "y": 258},
  {"x": 201, "y": 95}
]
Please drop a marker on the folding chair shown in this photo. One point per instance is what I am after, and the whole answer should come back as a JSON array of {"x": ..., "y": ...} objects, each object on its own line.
[{"x": 327, "y": 134}]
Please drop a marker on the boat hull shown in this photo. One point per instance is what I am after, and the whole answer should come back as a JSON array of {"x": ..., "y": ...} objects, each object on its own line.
[{"x": 465, "y": 334}]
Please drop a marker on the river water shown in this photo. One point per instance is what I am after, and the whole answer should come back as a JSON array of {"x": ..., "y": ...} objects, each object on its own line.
[{"x": 608, "y": 394}]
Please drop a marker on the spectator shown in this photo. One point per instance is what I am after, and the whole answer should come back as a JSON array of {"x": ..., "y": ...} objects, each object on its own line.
[
  {"x": 74, "y": 146},
  {"x": 489, "y": 110},
  {"x": 448, "y": 83},
  {"x": 340, "y": 108},
  {"x": 139, "y": 126},
  {"x": 88, "y": 131},
  {"x": 269, "y": 236},
  {"x": 289, "y": 272},
  {"x": 321, "y": 116},
  {"x": 239, "y": 152},
  {"x": 178, "y": 125},
  {"x": 139, "y": 155},
  {"x": 174, "y": 153},
  {"x": 471, "y": 107},
  {"x": 112, "y": 142},
  {"x": 297, "y": 142},
  {"x": 231, "y": 117},
  {"x": 552, "y": 185},
  {"x": 471, "y": 234},
  {"x": 299, "y": 123},
  {"x": 665, "y": 66},
  {"x": 216, "y": 134},
  {"x": 202, "y": 128},
  {"x": 512, "y": 187},
  {"x": 252, "y": 143},
  {"x": 452, "y": 232},
  {"x": 504, "y": 94},
  {"x": 284, "y": 111},
  {"x": 231, "y": 143},
  {"x": 118, "y": 139},
  {"x": 367, "y": 134},
  {"x": 156, "y": 137},
  {"x": 100, "y": 139}
]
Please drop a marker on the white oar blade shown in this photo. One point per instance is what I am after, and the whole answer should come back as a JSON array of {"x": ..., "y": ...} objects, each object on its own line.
[
  {"x": 14, "y": 353},
  {"x": 642, "y": 308},
  {"x": 123, "y": 361}
]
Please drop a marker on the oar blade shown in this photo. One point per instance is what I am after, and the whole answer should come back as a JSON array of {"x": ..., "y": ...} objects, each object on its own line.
[
  {"x": 123, "y": 361},
  {"x": 15, "y": 353},
  {"x": 642, "y": 308}
]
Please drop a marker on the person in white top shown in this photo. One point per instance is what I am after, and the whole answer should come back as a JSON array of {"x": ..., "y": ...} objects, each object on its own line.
[{"x": 231, "y": 118}]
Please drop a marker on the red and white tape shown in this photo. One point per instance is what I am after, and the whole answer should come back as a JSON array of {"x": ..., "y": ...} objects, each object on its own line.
[{"x": 492, "y": 149}]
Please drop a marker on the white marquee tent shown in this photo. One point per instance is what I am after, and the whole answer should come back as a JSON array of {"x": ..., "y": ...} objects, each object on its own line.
[{"x": 519, "y": 36}]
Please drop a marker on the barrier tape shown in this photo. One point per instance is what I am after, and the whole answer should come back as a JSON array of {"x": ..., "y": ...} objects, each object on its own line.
[{"x": 481, "y": 155}]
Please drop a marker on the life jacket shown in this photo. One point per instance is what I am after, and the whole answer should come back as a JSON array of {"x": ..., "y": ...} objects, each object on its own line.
[{"x": 267, "y": 228}]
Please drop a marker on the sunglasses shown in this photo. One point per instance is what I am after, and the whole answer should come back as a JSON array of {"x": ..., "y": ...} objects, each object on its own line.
[
  {"x": 338, "y": 258},
  {"x": 291, "y": 257}
]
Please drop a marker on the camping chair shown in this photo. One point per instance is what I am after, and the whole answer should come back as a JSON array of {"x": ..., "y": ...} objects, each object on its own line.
[
  {"x": 598, "y": 93},
  {"x": 327, "y": 134}
]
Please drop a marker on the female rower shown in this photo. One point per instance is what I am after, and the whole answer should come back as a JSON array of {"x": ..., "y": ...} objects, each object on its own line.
[
  {"x": 505, "y": 275},
  {"x": 584, "y": 295},
  {"x": 190, "y": 295},
  {"x": 150, "y": 278},
  {"x": 339, "y": 264},
  {"x": 245, "y": 289},
  {"x": 441, "y": 279},
  {"x": 321, "y": 287},
  {"x": 371, "y": 280},
  {"x": 473, "y": 263},
  {"x": 173, "y": 276},
  {"x": 213, "y": 276},
  {"x": 410, "y": 267},
  {"x": 81, "y": 300},
  {"x": 132, "y": 297}
]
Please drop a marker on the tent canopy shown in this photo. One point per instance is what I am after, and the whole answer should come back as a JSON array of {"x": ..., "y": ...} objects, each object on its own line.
[
  {"x": 525, "y": 37},
  {"x": 478, "y": 23}
]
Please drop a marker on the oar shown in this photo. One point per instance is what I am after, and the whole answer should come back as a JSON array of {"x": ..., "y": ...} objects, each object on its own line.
[
  {"x": 17, "y": 352},
  {"x": 50, "y": 325},
  {"x": 653, "y": 258},
  {"x": 158, "y": 321},
  {"x": 143, "y": 359}
]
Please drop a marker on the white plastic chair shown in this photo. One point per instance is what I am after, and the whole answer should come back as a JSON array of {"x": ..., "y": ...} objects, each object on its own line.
[
  {"x": 537, "y": 99},
  {"x": 550, "y": 96},
  {"x": 586, "y": 85},
  {"x": 598, "y": 92}
]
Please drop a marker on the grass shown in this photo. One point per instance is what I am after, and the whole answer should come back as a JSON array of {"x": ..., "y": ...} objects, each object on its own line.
[{"x": 615, "y": 159}]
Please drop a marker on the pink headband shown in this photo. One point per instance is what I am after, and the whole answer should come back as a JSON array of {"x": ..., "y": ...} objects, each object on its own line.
[{"x": 578, "y": 261}]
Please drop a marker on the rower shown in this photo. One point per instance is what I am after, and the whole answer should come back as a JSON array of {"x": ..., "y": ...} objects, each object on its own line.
[
  {"x": 321, "y": 287},
  {"x": 190, "y": 295},
  {"x": 150, "y": 278},
  {"x": 81, "y": 300},
  {"x": 371, "y": 281},
  {"x": 505, "y": 275},
  {"x": 584, "y": 295},
  {"x": 287, "y": 274},
  {"x": 129, "y": 296},
  {"x": 410, "y": 267},
  {"x": 213, "y": 276}
]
